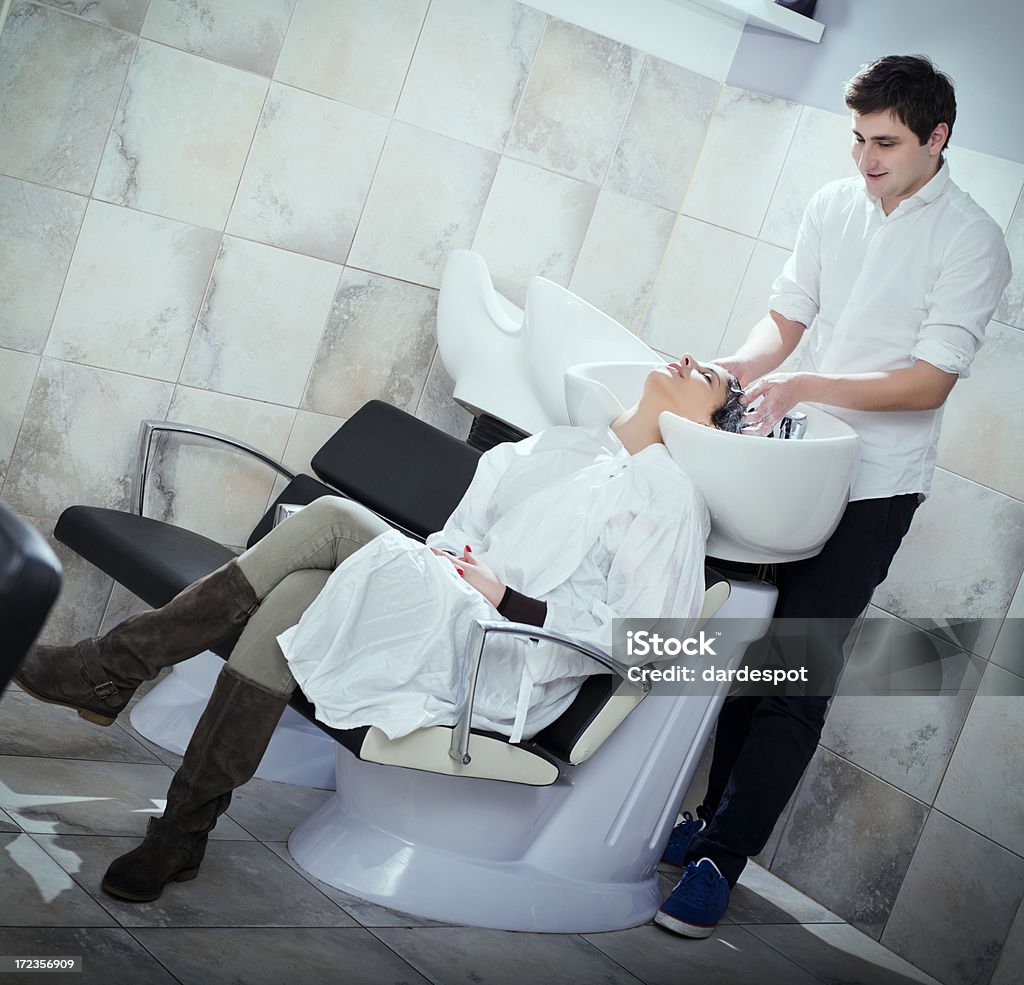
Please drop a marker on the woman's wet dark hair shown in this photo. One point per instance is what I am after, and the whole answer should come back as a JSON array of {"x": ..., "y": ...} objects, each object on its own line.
[{"x": 729, "y": 417}]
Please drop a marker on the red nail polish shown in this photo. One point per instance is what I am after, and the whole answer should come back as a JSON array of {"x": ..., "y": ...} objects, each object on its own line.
[
  {"x": 469, "y": 550},
  {"x": 460, "y": 571}
]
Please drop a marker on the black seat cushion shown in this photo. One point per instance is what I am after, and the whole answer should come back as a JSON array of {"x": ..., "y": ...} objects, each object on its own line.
[
  {"x": 400, "y": 467},
  {"x": 30, "y": 577}
]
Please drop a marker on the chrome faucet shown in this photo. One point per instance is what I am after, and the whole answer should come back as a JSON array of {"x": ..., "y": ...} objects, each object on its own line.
[{"x": 793, "y": 425}]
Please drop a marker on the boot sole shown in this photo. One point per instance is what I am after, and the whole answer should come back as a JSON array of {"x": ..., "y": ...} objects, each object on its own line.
[
  {"x": 184, "y": 876},
  {"x": 97, "y": 718}
]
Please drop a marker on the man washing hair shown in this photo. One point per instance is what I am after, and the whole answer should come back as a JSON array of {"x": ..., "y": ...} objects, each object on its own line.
[{"x": 894, "y": 277}]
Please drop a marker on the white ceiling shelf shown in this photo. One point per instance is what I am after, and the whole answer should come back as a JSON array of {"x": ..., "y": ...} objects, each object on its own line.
[{"x": 766, "y": 14}]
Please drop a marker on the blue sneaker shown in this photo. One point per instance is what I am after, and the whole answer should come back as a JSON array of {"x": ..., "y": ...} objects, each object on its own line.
[
  {"x": 679, "y": 841},
  {"x": 697, "y": 903}
]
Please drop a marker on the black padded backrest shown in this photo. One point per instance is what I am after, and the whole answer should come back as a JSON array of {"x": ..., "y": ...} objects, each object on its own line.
[
  {"x": 402, "y": 468},
  {"x": 29, "y": 581}
]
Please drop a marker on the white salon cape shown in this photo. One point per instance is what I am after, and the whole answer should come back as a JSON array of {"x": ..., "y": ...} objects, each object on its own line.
[{"x": 567, "y": 516}]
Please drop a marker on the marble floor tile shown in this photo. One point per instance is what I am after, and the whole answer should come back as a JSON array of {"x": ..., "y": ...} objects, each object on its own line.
[
  {"x": 17, "y": 374},
  {"x": 1009, "y": 649},
  {"x": 751, "y": 305},
  {"x": 33, "y": 728},
  {"x": 40, "y": 228},
  {"x": 994, "y": 183},
  {"x": 125, "y": 15},
  {"x": 67, "y": 796},
  {"x": 982, "y": 786},
  {"x": 697, "y": 284},
  {"x": 269, "y": 810},
  {"x": 1011, "y": 308},
  {"x": 819, "y": 153},
  {"x": 363, "y": 911},
  {"x": 357, "y": 52},
  {"x": 534, "y": 224},
  {"x": 839, "y": 955},
  {"x": 288, "y": 295},
  {"x": 763, "y": 898},
  {"x": 247, "y": 35},
  {"x": 133, "y": 290},
  {"x": 470, "y": 68},
  {"x": 426, "y": 199},
  {"x": 436, "y": 405},
  {"x": 83, "y": 594},
  {"x": 1010, "y": 966},
  {"x": 186, "y": 470},
  {"x": 957, "y": 904},
  {"x": 959, "y": 564},
  {"x": 60, "y": 78},
  {"x": 164, "y": 157},
  {"x": 730, "y": 956},
  {"x": 901, "y": 704},
  {"x": 616, "y": 281},
  {"x": 109, "y": 957},
  {"x": 378, "y": 343},
  {"x": 270, "y": 956},
  {"x": 731, "y": 187},
  {"x": 7, "y": 822},
  {"x": 663, "y": 134},
  {"x": 307, "y": 174},
  {"x": 575, "y": 102},
  {"x": 78, "y": 436},
  {"x": 980, "y": 432},
  {"x": 849, "y": 841},
  {"x": 39, "y": 893},
  {"x": 473, "y": 956},
  {"x": 240, "y": 884}
]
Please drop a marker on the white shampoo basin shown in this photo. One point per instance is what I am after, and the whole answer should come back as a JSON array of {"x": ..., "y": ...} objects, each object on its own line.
[{"x": 770, "y": 500}]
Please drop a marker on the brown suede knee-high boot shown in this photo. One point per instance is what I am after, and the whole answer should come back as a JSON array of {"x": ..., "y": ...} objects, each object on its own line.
[
  {"x": 98, "y": 676},
  {"x": 223, "y": 753}
]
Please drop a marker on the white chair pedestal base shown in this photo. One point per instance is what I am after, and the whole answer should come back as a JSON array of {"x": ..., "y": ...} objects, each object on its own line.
[
  {"x": 299, "y": 752},
  {"x": 578, "y": 856}
]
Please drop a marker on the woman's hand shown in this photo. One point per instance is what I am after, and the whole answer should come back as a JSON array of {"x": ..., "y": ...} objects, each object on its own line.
[{"x": 476, "y": 574}]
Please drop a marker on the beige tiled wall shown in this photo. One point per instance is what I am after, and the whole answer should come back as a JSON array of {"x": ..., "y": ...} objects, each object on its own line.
[{"x": 237, "y": 214}]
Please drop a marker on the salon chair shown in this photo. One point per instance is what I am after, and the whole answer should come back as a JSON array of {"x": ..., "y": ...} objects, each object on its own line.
[
  {"x": 30, "y": 577},
  {"x": 561, "y": 832}
]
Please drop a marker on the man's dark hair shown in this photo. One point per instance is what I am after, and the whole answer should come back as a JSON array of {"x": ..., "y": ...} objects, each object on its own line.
[
  {"x": 920, "y": 96},
  {"x": 729, "y": 417}
]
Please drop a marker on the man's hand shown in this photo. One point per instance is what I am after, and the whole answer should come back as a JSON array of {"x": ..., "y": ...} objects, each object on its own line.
[
  {"x": 779, "y": 393},
  {"x": 476, "y": 574}
]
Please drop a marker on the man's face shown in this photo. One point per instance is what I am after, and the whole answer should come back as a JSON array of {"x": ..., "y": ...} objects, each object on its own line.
[{"x": 894, "y": 163}]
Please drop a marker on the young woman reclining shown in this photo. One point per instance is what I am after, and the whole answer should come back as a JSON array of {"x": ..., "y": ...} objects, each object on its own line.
[{"x": 568, "y": 529}]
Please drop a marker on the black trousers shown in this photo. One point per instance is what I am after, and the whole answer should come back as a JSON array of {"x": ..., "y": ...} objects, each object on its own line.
[{"x": 763, "y": 744}]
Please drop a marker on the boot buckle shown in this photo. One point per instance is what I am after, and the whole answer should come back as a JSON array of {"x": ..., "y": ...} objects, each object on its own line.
[{"x": 105, "y": 690}]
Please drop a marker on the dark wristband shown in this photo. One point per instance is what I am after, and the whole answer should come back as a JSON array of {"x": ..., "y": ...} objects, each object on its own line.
[{"x": 516, "y": 607}]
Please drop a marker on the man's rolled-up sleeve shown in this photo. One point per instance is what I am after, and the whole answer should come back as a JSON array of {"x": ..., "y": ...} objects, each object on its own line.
[
  {"x": 796, "y": 291},
  {"x": 975, "y": 272}
]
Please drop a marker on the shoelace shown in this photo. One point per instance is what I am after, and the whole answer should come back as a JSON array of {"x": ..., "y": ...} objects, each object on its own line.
[{"x": 703, "y": 882}]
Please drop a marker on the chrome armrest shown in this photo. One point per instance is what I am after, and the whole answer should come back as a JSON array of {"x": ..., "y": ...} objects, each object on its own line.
[
  {"x": 144, "y": 454},
  {"x": 459, "y": 749},
  {"x": 285, "y": 510}
]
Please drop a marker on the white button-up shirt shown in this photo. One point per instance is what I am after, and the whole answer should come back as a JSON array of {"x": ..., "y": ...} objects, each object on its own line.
[
  {"x": 567, "y": 516},
  {"x": 878, "y": 292}
]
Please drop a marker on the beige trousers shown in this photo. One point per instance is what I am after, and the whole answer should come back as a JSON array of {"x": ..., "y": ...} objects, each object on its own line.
[{"x": 287, "y": 569}]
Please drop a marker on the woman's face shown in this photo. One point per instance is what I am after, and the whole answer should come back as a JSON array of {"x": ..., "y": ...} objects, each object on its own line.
[{"x": 688, "y": 388}]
